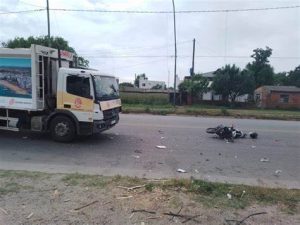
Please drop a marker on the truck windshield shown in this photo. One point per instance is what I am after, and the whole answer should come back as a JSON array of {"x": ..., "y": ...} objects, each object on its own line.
[{"x": 106, "y": 88}]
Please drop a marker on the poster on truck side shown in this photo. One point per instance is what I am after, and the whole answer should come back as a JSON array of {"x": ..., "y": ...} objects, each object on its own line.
[{"x": 15, "y": 83}]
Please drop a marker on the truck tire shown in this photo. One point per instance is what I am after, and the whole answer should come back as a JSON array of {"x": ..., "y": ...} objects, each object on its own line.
[{"x": 62, "y": 129}]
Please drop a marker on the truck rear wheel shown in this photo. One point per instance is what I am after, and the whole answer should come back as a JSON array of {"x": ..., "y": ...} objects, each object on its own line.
[{"x": 62, "y": 129}]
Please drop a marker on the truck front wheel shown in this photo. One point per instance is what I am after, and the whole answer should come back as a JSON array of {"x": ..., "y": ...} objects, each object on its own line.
[{"x": 62, "y": 129}]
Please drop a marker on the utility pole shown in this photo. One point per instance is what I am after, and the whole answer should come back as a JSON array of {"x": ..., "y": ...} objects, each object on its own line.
[
  {"x": 193, "y": 62},
  {"x": 48, "y": 23},
  {"x": 175, "y": 64}
]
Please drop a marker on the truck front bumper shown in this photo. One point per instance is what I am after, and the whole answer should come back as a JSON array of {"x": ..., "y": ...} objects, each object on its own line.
[{"x": 102, "y": 125}]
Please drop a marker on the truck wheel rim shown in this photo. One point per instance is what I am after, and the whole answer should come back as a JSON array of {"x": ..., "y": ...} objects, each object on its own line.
[{"x": 61, "y": 129}]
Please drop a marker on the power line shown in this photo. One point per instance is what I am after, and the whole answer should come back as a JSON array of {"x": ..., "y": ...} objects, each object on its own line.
[
  {"x": 24, "y": 11},
  {"x": 154, "y": 12},
  {"x": 184, "y": 56},
  {"x": 178, "y": 11}
]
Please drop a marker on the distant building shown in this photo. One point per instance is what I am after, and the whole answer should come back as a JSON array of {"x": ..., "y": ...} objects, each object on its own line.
[
  {"x": 211, "y": 96},
  {"x": 277, "y": 97},
  {"x": 148, "y": 84}
]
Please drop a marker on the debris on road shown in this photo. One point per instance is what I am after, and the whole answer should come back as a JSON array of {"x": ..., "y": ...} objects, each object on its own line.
[
  {"x": 29, "y": 216},
  {"x": 253, "y": 135},
  {"x": 196, "y": 171},
  {"x": 235, "y": 157},
  {"x": 161, "y": 147},
  {"x": 181, "y": 171},
  {"x": 265, "y": 159},
  {"x": 136, "y": 156},
  {"x": 138, "y": 151},
  {"x": 253, "y": 146},
  {"x": 278, "y": 172}
]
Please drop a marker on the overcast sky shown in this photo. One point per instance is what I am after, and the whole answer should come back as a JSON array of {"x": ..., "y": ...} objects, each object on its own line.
[{"x": 127, "y": 44}]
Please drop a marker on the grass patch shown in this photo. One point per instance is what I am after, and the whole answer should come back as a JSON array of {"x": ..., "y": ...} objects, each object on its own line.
[
  {"x": 12, "y": 187},
  {"x": 209, "y": 110},
  {"x": 21, "y": 174},
  {"x": 85, "y": 180},
  {"x": 215, "y": 194}
]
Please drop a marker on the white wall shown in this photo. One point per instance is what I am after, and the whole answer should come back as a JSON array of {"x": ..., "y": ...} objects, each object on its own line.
[{"x": 148, "y": 84}]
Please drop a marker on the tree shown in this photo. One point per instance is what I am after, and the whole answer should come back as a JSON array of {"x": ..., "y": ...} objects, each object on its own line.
[
  {"x": 260, "y": 68},
  {"x": 231, "y": 82},
  {"x": 157, "y": 87},
  {"x": 195, "y": 86},
  {"x": 56, "y": 42},
  {"x": 137, "y": 79},
  {"x": 294, "y": 77},
  {"x": 281, "y": 79},
  {"x": 126, "y": 84}
]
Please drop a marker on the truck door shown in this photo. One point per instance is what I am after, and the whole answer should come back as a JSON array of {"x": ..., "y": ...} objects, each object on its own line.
[{"x": 78, "y": 97}]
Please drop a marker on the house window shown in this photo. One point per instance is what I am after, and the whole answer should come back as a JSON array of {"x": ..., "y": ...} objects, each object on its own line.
[{"x": 284, "y": 98}]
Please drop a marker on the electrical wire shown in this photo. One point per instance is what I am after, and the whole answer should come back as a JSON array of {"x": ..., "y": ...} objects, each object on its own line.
[
  {"x": 178, "y": 11},
  {"x": 154, "y": 12}
]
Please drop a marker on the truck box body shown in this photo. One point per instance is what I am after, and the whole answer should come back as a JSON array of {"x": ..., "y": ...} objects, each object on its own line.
[{"x": 21, "y": 75}]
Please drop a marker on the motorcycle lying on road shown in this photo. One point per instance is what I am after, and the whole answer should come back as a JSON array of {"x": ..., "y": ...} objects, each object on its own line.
[{"x": 229, "y": 133}]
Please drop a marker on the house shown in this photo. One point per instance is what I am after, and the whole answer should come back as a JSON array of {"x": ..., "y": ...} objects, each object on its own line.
[
  {"x": 277, "y": 97},
  {"x": 144, "y": 83},
  {"x": 211, "y": 96}
]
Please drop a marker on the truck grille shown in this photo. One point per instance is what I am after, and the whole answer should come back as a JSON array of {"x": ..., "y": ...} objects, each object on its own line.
[{"x": 110, "y": 114}]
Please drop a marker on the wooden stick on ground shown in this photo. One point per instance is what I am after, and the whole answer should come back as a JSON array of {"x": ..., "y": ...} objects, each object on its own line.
[
  {"x": 239, "y": 222},
  {"x": 4, "y": 211},
  {"x": 186, "y": 217},
  {"x": 86, "y": 205},
  {"x": 132, "y": 188},
  {"x": 142, "y": 210}
]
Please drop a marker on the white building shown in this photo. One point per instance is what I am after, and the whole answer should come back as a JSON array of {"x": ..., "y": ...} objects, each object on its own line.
[
  {"x": 210, "y": 96},
  {"x": 148, "y": 84}
]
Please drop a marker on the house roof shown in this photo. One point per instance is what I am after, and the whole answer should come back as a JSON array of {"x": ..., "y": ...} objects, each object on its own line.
[
  {"x": 282, "y": 88},
  {"x": 208, "y": 74}
]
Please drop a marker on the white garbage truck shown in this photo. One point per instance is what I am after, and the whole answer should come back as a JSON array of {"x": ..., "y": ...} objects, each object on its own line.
[{"x": 43, "y": 90}]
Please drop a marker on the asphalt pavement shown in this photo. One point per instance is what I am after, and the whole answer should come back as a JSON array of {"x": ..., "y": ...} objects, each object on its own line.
[{"x": 130, "y": 149}]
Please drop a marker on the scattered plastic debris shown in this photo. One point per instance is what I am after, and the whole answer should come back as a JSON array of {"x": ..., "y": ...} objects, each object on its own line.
[
  {"x": 138, "y": 151},
  {"x": 161, "y": 146},
  {"x": 162, "y": 137},
  {"x": 235, "y": 156},
  {"x": 196, "y": 171},
  {"x": 264, "y": 159},
  {"x": 253, "y": 146},
  {"x": 181, "y": 171},
  {"x": 229, "y": 196},
  {"x": 219, "y": 154},
  {"x": 136, "y": 156},
  {"x": 24, "y": 137},
  {"x": 207, "y": 160},
  {"x": 29, "y": 216},
  {"x": 278, "y": 172},
  {"x": 244, "y": 192}
]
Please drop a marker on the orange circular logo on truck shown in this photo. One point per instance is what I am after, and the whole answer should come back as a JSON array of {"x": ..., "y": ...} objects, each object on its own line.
[{"x": 78, "y": 103}]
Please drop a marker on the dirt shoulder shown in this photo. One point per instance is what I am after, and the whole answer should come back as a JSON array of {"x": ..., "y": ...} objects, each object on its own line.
[
  {"x": 200, "y": 110},
  {"x": 39, "y": 198}
]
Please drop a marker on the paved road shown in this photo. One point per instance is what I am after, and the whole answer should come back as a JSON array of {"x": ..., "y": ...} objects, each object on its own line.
[{"x": 130, "y": 149}]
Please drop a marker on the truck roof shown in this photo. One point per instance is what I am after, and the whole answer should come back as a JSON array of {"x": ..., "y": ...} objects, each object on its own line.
[{"x": 84, "y": 71}]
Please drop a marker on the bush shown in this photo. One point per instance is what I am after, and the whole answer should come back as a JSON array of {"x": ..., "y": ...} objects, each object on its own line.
[{"x": 144, "y": 98}]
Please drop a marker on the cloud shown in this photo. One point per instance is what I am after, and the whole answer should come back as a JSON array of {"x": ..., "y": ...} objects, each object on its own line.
[{"x": 109, "y": 40}]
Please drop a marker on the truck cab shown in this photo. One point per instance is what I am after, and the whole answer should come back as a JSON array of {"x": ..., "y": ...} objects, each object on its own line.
[
  {"x": 42, "y": 90},
  {"x": 90, "y": 98}
]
